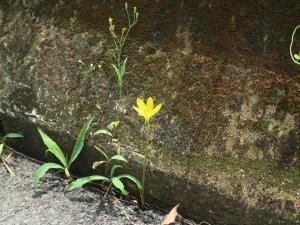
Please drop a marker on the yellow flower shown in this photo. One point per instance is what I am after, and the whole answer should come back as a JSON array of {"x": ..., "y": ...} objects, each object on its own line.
[
  {"x": 110, "y": 20},
  {"x": 146, "y": 110}
]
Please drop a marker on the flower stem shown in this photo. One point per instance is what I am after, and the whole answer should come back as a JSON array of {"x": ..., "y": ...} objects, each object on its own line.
[{"x": 145, "y": 164}]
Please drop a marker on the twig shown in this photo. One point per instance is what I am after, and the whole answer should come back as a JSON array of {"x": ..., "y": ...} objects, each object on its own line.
[
  {"x": 9, "y": 155},
  {"x": 6, "y": 164},
  {"x": 204, "y": 222},
  {"x": 107, "y": 190},
  {"x": 124, "y": 211},
  {"x": 25, "y": 156},
  {"x": 186, "y": 221}
]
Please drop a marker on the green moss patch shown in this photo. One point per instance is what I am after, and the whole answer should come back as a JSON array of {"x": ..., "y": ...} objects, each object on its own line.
[{"x": 287, "y": 179}]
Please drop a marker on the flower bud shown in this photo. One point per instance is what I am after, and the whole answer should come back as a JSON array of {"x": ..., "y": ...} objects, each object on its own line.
[{"x": 110, "y": 20}]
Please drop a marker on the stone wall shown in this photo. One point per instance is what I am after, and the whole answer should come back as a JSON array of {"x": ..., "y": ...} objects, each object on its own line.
[{"x": 226, "y": 142}]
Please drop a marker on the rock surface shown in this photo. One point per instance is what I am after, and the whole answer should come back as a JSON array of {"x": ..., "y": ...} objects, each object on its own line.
[{"x": 226, "y": 142}]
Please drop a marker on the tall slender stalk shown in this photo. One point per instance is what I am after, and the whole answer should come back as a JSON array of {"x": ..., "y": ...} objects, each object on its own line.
[
  {"x": 146, "y": 161},
  {"x": 147, "y": 111},
  {"x": 119, "y": 42}
]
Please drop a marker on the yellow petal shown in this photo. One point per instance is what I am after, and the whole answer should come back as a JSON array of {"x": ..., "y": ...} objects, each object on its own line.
[
  {"x": 136, "y": 108},
  {"x": 140, "y": 112},
  {"x": 149, "y": 105},
  {"x": 157, "y": 108},
  {"x": 140, "y": 103}
]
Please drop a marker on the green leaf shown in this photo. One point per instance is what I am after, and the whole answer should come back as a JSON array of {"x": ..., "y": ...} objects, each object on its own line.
[
  {"x": 102, "y": 131},
  {"x": 98, "y": 163},
  {"x": 119, "y": 185},
  {"x": 13, "y": 135},
  {"x": 123, "y": 68},
  {"x": 133, "y": 179},
  {"x": 80, "y": 141},
  {"x": 113, "y": 169},
  {"x": 1, "y": 148},
  {"x": 119, "y": 158},
  {"x": 42, "y": 170},
  {"x": 102, "y": 152},
  {"x": 113, "y": 124},
  {"x": 53, "y": 148},
  {"x": 116, "y": 70},
  {"x": 81, "y": 181}
]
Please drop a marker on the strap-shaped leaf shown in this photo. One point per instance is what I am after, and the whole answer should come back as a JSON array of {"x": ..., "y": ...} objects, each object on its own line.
[
  {"x": 113, "y": 124},
  {"x": 80, "y": 141},
  {"x": 133, "y": 179},
  {"x": 13, "y": 135},
  {"x": 119, "y": 185},
  {"x": 119, "y": 74},
  {"x": 53, "y": 148},
  {"x": 123, "y": 68},
  {"x": 98, "y": 163},
  {"x": 102, "y": 131},
  {"x": 102, "y": 152},
  {"x": 113, "y": 169},
  {"x": 42, "y": 170},
  {"x": 119, "y": 158},
  {"x": 81, "y": 181},
  {"x": 1, "y": 148},
  {"x": 116, "y": 70}
]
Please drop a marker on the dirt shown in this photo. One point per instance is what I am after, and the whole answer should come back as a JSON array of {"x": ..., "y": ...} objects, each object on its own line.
[{"x": 51, "y": 203}]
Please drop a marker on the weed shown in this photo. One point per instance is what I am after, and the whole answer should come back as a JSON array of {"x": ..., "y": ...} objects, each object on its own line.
[
  {"x": 65, "y": 163},
  {"x": 146, "y": 111},
  {"x": 112, "y": 180},
  {"x": 119, "y": 41},
  {"x": 2, "y": 144},
  {"x": 114, "y": 162}
]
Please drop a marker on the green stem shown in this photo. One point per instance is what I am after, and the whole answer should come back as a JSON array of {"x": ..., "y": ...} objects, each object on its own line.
[
  {"x": 67, "y": 173},
  {"x": 120, "y": 92},
  {"x": 291, "y": 45},
  {"x": 145, "y": 164}
]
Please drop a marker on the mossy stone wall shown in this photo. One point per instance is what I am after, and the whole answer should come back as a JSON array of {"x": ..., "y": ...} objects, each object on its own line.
[{"x": 226, "y": 142}]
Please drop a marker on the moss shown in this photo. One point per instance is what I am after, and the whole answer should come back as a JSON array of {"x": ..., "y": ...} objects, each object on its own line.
[
  {"x": 287, "y": 179},
  {"x": 257, "y": 147},
  {"x": 258, "y": 171}
]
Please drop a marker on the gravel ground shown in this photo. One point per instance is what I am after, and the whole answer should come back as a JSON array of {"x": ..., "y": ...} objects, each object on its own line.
[{"x": 52, "y": 204}]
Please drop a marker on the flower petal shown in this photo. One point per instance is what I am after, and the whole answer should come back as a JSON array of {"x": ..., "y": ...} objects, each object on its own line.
[
  {"x": 149, "y": 104},
  {"x": 140, "y": 103},
  {"x": 148, "y": 109},
  {"x": 157, "y": 108},
  {"x": 140, "y": 112},
  {"x": 136, "y": 108}
]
